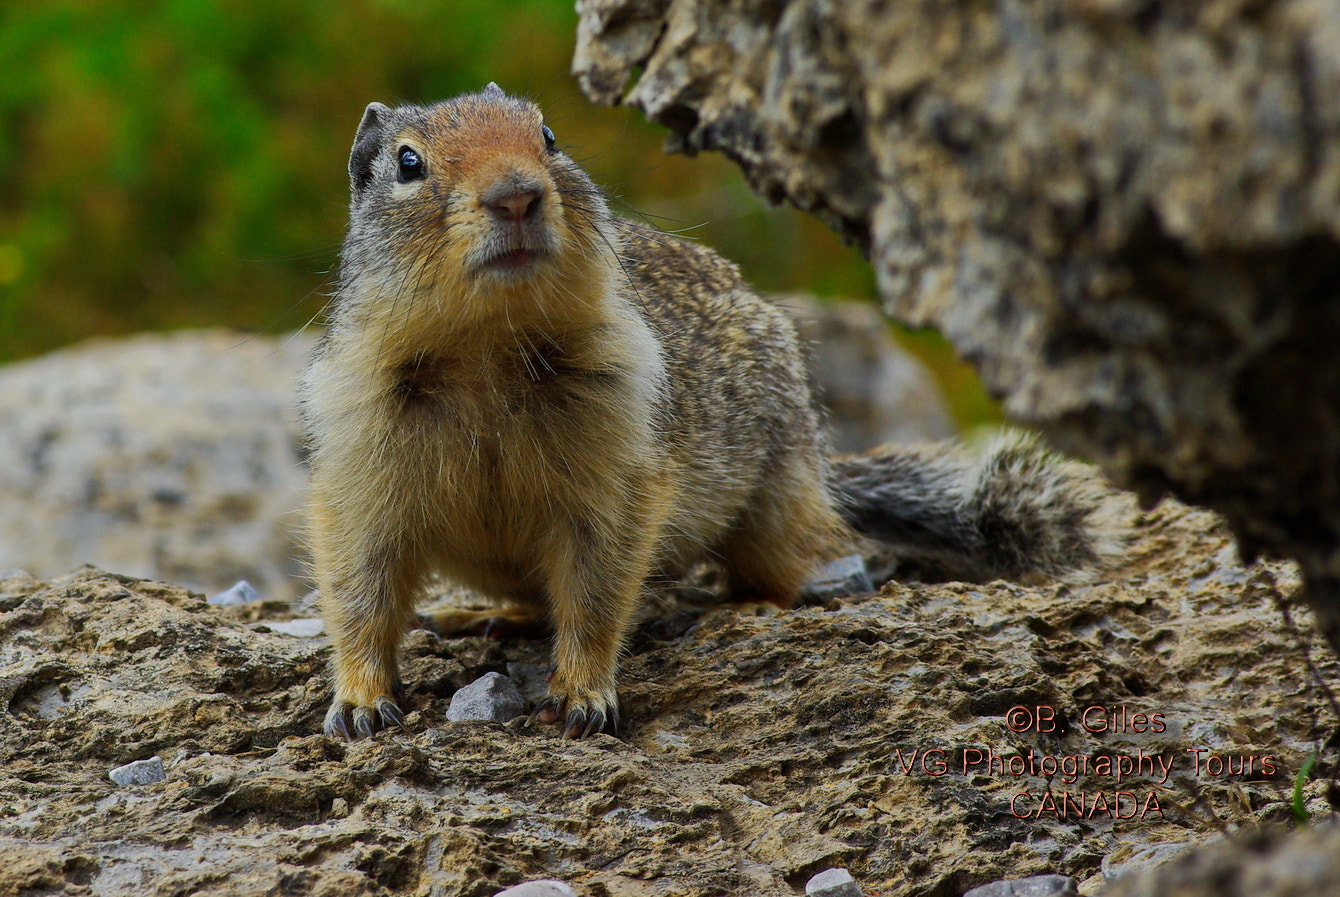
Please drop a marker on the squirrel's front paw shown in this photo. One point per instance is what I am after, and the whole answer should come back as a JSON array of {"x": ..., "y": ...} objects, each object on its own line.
[
  {"x": 354, "y": 721},
  {"x": 582, "y": 715}
]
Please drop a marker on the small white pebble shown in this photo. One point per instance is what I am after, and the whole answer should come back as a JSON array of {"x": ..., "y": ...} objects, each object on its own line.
[
  {"x": 833, "y": 883},
  {"x": 1033, "y": 886},
  {"x": 492, "y": 697},
  {"x": 240, "y": 592},
  {"x": 839, "y": 579},
  {"x": 140, "y": 772},
  {"x": 303, "y": 627},
  {"x": 544, "y": 888}
]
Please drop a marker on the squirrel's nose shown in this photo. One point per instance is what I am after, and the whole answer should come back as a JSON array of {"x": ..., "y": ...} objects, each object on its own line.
[{"x": 510, "y": 200}]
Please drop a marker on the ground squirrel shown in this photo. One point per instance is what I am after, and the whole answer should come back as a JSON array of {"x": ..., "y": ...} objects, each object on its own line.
[{"x": 559, "y": 409}]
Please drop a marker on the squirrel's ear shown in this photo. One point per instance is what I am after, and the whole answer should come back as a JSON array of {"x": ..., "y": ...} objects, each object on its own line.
[
  {"x": 494, "y": 92},
  {"x": 366, "y": 142}
]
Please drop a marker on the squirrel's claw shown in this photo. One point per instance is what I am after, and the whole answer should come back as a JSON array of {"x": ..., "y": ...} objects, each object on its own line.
[
  {"x": 363, "y": 725},
  {"x": 350, "y": 723},
  {"x": 547, "y": 711},
  {"x": 580, "y": 720},
  {"x": 596, "y": 721},
  {"x": 390, "y": 713},
  {"x": 337, "y": 721}
]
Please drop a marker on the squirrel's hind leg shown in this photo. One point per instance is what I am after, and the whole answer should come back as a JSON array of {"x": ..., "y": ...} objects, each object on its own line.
[{"x": 789, "y": 528}]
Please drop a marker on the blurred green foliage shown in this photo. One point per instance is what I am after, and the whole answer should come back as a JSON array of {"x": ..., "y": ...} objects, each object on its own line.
[{"x": 182, "y": 163}]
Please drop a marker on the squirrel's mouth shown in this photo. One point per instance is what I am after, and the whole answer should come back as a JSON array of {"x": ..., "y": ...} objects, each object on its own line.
[
  {"x": 510, "y": 259},
  {"x": 514, "y": 260}
]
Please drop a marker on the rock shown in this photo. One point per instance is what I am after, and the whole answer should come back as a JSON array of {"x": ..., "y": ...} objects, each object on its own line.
[
  {"x": 838, "y": 579},
  {"x": 1126, "y": 216},
  {"x": 300, "y": 628},
  {"x": 543, "y": 888},
  {"x": 1273, "y": 863},
  {"x": 140, "y": 772},
  {"x": 492, "y": 697},
  {"x": 1127, "y": 859},
  {"x": 833, "y": 883},
  {"x": 789, "y": 737},
  {"x": 176, "y": 456},
  {"x": 871, "y": 389},
  {"x": 240, "y": 592},
  {"x": 1033, "y": 886}
]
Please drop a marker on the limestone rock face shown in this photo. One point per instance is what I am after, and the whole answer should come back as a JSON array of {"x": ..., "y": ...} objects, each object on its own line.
[{"x": 1125, "y": 214}]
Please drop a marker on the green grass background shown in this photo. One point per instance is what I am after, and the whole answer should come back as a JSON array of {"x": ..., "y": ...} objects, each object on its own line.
[{"x": 182, "y": 163}]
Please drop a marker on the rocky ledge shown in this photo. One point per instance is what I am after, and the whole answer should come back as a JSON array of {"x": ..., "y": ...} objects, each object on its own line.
[{"x": 897, "y": 735}]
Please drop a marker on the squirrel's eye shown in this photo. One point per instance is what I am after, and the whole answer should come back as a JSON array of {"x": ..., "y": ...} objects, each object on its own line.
[
  {"x": 411, "y": 165},
  {"x": 549, "y": 142}
]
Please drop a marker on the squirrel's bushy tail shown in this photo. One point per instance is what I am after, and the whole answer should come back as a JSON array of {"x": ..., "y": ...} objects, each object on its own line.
[{"x": 1009, "y": 509}]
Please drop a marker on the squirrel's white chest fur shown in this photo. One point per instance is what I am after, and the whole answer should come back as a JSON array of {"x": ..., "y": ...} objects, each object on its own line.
[{"x": 483, "y": 454}]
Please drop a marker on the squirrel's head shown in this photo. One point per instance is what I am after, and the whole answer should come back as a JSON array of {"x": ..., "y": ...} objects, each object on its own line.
[{"x": 472, "y": 195}]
